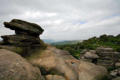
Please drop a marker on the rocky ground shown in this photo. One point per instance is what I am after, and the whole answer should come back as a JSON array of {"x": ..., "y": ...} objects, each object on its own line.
[
  {"x": 106, "y": 57},
  {"x": 24, "y": 56}
]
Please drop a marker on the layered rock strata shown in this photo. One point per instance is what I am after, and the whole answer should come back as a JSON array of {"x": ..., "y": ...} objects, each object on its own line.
[
  {"x": 26, "y": 35},
  {"x": 108, "y": 57}
]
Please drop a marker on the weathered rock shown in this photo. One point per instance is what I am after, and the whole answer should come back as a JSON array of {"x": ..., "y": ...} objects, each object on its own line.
[
  {"x": 14, "y": 67},
  {"x": 13, "y": 48},
  {"x": 58, "y": 62},
  {"x": 117, "y": 64},
  {"x": 90, "y": 71},
  {"x": 26, "y": 37},
  {"x": 107, "y": 56},
  {"x": 92, "y": 51},
  {"x": 20, "y": 40},
  {"x": 115, "y": 72},
  {"x": 23, "y": 27},
  {"x": 117, "y": 78},
  {"x": 90, "y": 55},
  {"x": 54, "y": 77},
  {"x": 1, "y": 42},
  {"x": 104, "y": 49}
]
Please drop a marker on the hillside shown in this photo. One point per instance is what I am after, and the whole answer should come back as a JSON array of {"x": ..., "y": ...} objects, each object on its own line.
[
  {"x": 66, "y": 42},
  {"x": 49, "y": 41},
  {"x": 92, "y": 43}
]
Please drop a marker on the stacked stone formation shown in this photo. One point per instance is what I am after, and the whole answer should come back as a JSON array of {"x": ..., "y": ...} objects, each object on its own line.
[
  {"x": 108, "y": 56},
  {"x": 90, "y": 56},
  {"x": 27, "y": 34}
]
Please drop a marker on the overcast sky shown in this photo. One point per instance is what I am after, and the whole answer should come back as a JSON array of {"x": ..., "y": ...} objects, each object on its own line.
[{"x": 64, "y": 19}]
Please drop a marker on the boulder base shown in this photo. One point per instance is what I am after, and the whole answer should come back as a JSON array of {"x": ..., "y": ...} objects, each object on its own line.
[
  {"x": 53, "y": 61},
  {"x": 14, "y": 67}
]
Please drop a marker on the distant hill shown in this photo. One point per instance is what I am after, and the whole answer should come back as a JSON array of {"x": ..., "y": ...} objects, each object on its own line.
[
  {"x": 66, "y": 42},
  {"x": 54, "y": 42},
  {"x": 91, "y": 44},
  {"x": 49, "y": 41}
]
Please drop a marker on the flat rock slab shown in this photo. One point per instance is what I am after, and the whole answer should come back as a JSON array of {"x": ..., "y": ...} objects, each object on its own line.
[{"x": 20, "y": 25}]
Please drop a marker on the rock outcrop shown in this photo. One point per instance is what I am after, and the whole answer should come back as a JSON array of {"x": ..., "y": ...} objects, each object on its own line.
[
  {"x": 90, "y": 56},
  {"x": 53, "y": 63},
  {"x": 26, "y": 38},
  {"x": 58, "y": 62},
  {"x": 23, "y": 27},
  {"x": 104, "y": 56},
  {"x": 108, "y": 57},
  {"x": 14, "y": 67}
]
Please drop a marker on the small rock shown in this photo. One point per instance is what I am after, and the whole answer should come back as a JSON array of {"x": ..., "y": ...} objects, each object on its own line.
[
  {"x": 117, "y": 64},
  {"x": 115, "y": 72},
  {"x": 92, "y": 51},
  {"x": 54, "y": 77},
  {"x": 91, "y": 55}
]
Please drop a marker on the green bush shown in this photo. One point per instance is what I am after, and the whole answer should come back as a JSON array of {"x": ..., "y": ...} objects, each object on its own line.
[{"x": 92, "y": 43}]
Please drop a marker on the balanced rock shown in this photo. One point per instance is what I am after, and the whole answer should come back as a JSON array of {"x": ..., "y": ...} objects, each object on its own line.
[
  {"x": 21, "y": 27},
  {"x": 26, "y": 36}
]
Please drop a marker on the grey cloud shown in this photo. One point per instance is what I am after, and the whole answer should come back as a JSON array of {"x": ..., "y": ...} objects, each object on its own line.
[{"x": 62, "y": 19}]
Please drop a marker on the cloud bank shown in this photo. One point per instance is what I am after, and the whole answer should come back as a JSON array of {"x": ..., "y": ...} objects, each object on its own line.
[{"x": 65, "y": 19}]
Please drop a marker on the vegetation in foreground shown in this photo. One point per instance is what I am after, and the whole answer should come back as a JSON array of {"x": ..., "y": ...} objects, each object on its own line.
[{"x": 92, "y": 44}]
